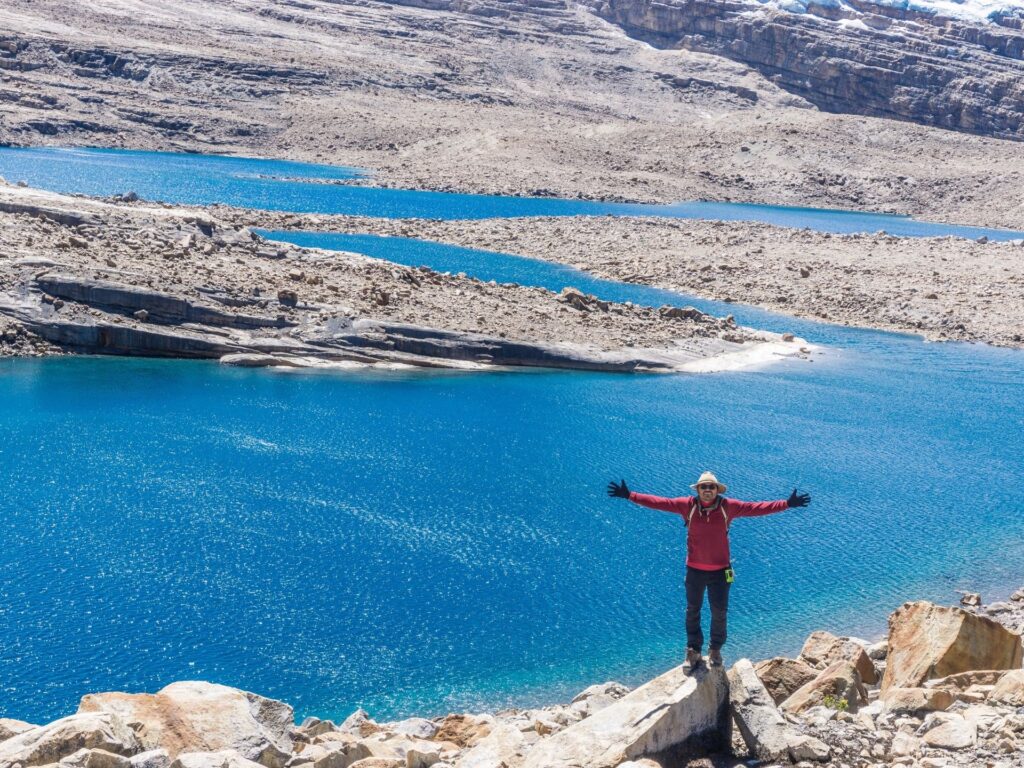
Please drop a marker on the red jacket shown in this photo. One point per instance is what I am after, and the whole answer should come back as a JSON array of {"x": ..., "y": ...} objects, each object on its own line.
[{"x": 707, "y": 534}]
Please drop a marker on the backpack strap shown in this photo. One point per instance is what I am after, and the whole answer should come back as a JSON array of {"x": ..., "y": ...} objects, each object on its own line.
[{"x": 720, "y": 506}]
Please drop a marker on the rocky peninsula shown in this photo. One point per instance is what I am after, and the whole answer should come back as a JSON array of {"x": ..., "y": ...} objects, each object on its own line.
[
  {"x": 130, "y": 278},
  {"x": 944, "y": 688}
]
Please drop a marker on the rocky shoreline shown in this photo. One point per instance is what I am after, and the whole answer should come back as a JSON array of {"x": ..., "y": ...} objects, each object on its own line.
[
  {"x": 128, "y": 278},
  {"x": 943, "y": 689}
]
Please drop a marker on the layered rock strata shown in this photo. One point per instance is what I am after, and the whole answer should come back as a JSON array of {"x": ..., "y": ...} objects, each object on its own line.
[{"x": 861, "y": 58}]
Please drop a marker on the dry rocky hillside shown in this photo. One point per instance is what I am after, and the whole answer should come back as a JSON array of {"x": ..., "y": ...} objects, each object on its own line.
[
  {"x": 908, "y": 62},
  {"x": 944, "y": 689},
  {"x": 539, "y": 97}
]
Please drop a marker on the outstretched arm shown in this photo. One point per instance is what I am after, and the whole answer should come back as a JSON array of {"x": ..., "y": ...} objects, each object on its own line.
[
  {"x": 759, "y": 508},
  {"x": 677, "y": 505}
]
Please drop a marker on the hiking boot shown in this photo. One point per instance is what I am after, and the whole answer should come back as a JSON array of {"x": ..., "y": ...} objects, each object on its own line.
[
  {"x": 693, "y": 658},
  {"x": 714, "y": 658}
]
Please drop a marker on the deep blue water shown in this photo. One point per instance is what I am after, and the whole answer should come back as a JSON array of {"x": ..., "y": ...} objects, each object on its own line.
[
  {"x": 417, "y": 542},
  {"x": 285, "y": 186}
]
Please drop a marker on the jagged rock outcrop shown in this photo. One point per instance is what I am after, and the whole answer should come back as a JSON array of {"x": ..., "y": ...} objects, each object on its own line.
[
  {"x": 765, "y": 731},
  {"x": 856, "y": 57},
  {"x": 838, "y": 682},
  {"x": 928, "y": 641}
]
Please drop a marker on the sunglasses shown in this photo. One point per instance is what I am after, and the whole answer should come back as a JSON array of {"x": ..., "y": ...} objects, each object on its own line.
[{"x": 707, "y": 487}]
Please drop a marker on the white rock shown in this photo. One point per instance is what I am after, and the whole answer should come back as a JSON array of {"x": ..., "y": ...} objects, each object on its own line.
[
  {"x": 9, "y": 727},
  {"x": 1009, "y": 689},
  {"x": 100, "y": 758},
  {"x": 344, "y": 755},
  {"x": 503, "y": 745},
  {"x": 763, "y": 728},
  {"x": 76, "y": 759},
  {"x": 804, "y": 747},
  {"x": 222, "y": 758},
  {"x": 419, "y": 727}
]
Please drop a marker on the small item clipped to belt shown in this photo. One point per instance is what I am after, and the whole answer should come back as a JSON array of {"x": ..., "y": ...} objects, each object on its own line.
[{"x": 730, "y": 575}]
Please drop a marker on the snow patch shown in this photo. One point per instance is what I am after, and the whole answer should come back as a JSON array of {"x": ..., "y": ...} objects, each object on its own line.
[{"x": 966, "y": 10}]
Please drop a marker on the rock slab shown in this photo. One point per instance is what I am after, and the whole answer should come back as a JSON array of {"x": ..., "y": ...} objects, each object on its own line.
[
  {"x": 759, "y": 721},
  {"x": 670, "y": 715}
]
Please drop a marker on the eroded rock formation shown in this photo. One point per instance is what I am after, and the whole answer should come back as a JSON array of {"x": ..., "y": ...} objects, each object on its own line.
[{"x": 857, "y": 58}]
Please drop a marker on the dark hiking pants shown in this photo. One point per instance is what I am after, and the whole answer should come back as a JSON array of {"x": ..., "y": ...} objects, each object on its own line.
[{"x": 697, "y": 581}]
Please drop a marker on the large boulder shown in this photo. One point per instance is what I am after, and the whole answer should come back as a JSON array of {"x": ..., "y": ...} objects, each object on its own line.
[
  {"x": 597, "y": 697},
  {"x": 49, "y": 743},
  {"x": 1009, "y": 689},
  {"x": 418, "y": 727},
  {"x": 928, "y": 641},
  {"x": 203, "y": 717},
  {"x": 837, "y": 682},
  {"x": 669, "y": 716},
  {"x": 359, "y": 723},
  {"x": 342, "y": 755},
  {"x": 821, "y": 649},
  {"x": 782, "y": 676}
]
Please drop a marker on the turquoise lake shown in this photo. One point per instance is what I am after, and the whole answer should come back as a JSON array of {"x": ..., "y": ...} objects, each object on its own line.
[{"x": 415, "y": 543}]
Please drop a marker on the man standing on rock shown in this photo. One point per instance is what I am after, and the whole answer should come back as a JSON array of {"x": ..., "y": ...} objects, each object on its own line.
[{"x": 707, "y": 517}]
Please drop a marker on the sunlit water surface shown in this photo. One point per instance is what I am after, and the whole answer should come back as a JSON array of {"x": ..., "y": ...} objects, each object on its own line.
[{"x": 418, "y": 543}]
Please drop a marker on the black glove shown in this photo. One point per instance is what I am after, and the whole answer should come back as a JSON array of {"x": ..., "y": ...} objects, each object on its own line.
[
  {"x": 798, "y": 500},
  {"x": 618, "y": 491}
]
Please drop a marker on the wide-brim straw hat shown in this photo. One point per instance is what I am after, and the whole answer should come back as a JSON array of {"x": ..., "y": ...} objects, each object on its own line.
[{"x": 709, "y": 477}]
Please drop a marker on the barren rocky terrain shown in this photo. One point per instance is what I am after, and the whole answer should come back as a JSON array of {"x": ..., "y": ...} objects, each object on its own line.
[
  {"x": 943, "y": 288},
  {"x": 495, "y": 96}
]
